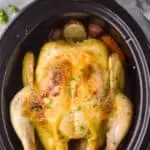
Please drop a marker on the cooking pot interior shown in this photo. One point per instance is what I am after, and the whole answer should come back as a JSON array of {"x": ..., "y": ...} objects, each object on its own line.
[{"x": 33, "y": 42}]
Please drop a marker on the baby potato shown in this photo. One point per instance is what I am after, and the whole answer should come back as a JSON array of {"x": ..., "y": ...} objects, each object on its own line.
[
  {"x": 74, "y": 31},
  {"x": 113, "y": 46}
]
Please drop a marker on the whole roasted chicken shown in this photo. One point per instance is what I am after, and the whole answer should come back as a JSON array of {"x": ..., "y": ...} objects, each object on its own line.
[{"x": 75, "y": 92}]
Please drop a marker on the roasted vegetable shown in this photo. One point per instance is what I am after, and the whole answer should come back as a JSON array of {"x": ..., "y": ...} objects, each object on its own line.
[
  {"x": 113, "y": 46},
  {"x": 97, "y": 21},
  {"x": 94, "y": 30},
  {"x": 57, "y": 34},
  {"x": 21, "y": 124},
  {"x": 74, "y": 31},
  {"x": 119, "y": 122},
  {"x": 28, "y": 69}
]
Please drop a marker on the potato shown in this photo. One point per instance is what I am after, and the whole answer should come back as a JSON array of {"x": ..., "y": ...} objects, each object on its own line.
[
  {"x": 74, "y": 31},
  {"x": 113, "y": 46},
  {"x": 57, "y": 34},
  {"x": 94, "y": 30}
]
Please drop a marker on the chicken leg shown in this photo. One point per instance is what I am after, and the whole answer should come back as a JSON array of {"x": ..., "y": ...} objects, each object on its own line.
[
  {"x": 22, "y": 126},
  {"x": 119, "y": 122}
]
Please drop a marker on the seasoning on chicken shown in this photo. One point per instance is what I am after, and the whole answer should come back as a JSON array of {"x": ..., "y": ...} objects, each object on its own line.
[{"x": 74, "y": 93}]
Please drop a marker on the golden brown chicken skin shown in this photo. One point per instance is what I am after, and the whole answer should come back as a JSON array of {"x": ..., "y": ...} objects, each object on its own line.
[{"x": 77, "y": 94}]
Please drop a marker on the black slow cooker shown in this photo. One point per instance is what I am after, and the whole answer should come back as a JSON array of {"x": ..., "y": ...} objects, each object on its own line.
[{"x": 32, "y": 28}]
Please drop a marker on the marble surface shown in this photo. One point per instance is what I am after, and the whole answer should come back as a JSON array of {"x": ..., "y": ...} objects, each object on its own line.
[
  {"x": 4, "y": 5},
  {"x": 129, "y": 5}
]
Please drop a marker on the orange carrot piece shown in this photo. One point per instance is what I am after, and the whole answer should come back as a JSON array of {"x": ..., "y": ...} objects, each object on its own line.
[{"x": 113, "y": 46}]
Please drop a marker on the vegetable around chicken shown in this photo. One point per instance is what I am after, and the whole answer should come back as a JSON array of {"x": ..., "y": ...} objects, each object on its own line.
[
  {"x": 75, "y": 92},
  {"x": 74, "y": 31},
  {"x": 94, "y": 30},
  {"x": 113, "y": 46}
]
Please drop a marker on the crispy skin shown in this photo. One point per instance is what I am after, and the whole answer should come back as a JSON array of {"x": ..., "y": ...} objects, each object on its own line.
[{"x": 74, "y": 94}]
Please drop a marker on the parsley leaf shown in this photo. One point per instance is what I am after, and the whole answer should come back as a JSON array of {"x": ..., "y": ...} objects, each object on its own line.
[
  {"x": 72, "y": 78},
  {"x": 82, "y": 128}
]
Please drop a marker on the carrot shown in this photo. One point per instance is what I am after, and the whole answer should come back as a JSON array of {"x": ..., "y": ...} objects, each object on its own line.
[{"x": 113, "y": 46}]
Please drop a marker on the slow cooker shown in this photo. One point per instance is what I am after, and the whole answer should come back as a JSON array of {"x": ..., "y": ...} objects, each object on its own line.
[{"x": 32, "y": 28}]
